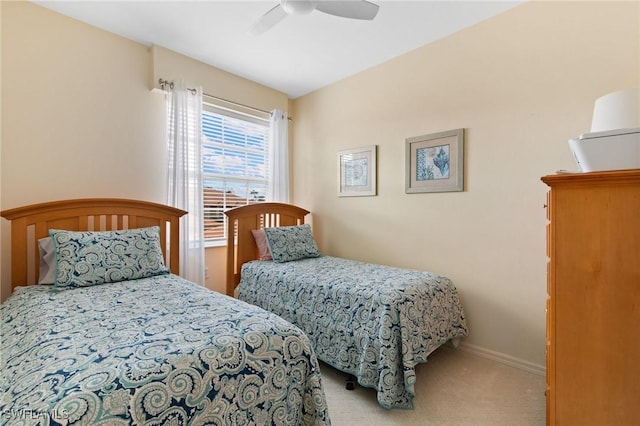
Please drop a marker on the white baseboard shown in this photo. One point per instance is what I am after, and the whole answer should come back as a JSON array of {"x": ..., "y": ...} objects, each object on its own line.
[{"x": 503, "y": 358}]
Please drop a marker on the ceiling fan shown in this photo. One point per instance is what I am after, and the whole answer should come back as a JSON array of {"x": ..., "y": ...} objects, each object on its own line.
[{"x": 354, "y": 9}]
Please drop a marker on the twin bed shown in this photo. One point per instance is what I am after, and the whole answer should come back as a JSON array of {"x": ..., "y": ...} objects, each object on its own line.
[
  {"x": 119, "y": 338},
  {"x": 373, "y": 322}
]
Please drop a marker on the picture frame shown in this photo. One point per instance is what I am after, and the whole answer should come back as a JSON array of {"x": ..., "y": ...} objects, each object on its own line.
[
  {"x": 357, "y": 172},
  {"x": 435, "y": 162}
]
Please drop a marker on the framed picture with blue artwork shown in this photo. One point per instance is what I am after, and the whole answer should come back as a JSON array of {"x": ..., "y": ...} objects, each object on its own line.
[
  {"x": 435, "y": 163},
  {"x": 357, "y": 172}
]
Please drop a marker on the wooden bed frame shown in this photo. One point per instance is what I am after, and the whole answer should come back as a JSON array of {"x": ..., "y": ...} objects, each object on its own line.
[
  {"x": 241, "y": 246},
  {"x": 30, "y": 223}
]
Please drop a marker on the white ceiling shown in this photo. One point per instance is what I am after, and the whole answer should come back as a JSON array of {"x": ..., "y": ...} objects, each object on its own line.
[{"x": 298, "y": 55}]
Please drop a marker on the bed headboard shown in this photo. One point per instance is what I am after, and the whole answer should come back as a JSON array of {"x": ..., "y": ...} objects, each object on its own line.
[
  {"x": 30, "y": 223},
  {"x": 241, "y": 247}
]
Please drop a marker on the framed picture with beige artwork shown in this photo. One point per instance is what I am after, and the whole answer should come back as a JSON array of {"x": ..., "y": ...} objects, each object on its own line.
[{"x": 357, "y": 172}]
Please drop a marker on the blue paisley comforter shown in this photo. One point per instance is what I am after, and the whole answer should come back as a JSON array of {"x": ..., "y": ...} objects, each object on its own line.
[
  {"x": 372, "y": 321},
  {"x": 153, "y": 351}
]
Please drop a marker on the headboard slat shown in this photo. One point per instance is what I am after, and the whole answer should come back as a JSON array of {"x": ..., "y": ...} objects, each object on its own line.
[
  {"x": 19, "y": 243},
  {"x": 41, "y": 231},
  {"x": 83, "y": 224}
]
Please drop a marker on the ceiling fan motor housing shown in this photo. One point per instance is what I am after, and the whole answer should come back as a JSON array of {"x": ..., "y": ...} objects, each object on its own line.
[{"x": 299, "y": 7}]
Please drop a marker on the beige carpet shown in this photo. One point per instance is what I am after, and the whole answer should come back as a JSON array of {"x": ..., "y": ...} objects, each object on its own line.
[{"x": 453, "y": 388}]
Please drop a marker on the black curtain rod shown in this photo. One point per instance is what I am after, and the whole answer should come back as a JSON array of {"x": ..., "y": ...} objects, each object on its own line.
[{"x": 165, "y": 83}]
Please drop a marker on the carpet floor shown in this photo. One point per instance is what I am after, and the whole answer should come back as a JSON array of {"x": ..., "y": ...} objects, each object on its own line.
[{"x": 454, "y": 388}]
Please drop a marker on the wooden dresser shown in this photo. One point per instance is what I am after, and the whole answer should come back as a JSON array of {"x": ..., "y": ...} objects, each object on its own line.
[{"x": 593, "y": 305}]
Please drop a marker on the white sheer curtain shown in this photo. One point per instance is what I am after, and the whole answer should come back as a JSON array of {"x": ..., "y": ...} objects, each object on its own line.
[
  {"x": 278, "y": 189},
  {"x": 184, "y": 186}
]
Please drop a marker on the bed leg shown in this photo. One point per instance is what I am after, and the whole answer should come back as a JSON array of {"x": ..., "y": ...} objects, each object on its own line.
[{"x": 351, "y": 382}]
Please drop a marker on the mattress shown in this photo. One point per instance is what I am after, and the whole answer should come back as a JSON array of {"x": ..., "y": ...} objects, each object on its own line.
[
  {"x": 158, "y": 350},
  {"x": 372, "y": 321}
]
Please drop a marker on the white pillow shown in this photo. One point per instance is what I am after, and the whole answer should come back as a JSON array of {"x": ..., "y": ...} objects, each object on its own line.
[{"x": 47, "y": 261}]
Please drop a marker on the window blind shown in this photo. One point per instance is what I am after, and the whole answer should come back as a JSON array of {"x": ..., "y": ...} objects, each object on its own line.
[{"x": 235, "y": 164}]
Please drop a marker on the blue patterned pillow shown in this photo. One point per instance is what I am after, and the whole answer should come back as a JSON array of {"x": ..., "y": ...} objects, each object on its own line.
[
  {"x": 92, "y": 258},
  {"x": 289, "y": 243}
]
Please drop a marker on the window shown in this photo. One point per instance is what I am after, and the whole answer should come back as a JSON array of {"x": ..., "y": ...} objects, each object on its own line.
[{"x": 235, "y": 164}]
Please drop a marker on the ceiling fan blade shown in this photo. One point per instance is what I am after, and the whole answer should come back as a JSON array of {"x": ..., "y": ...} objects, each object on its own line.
[
  {"x": 361, "y": 9},
  {"x": 268, "y": 20}
]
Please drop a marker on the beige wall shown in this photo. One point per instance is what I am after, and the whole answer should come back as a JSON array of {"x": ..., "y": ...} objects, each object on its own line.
[
  {"x": 521, "y": 84},
  {"x": 79, "y": 118}
]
